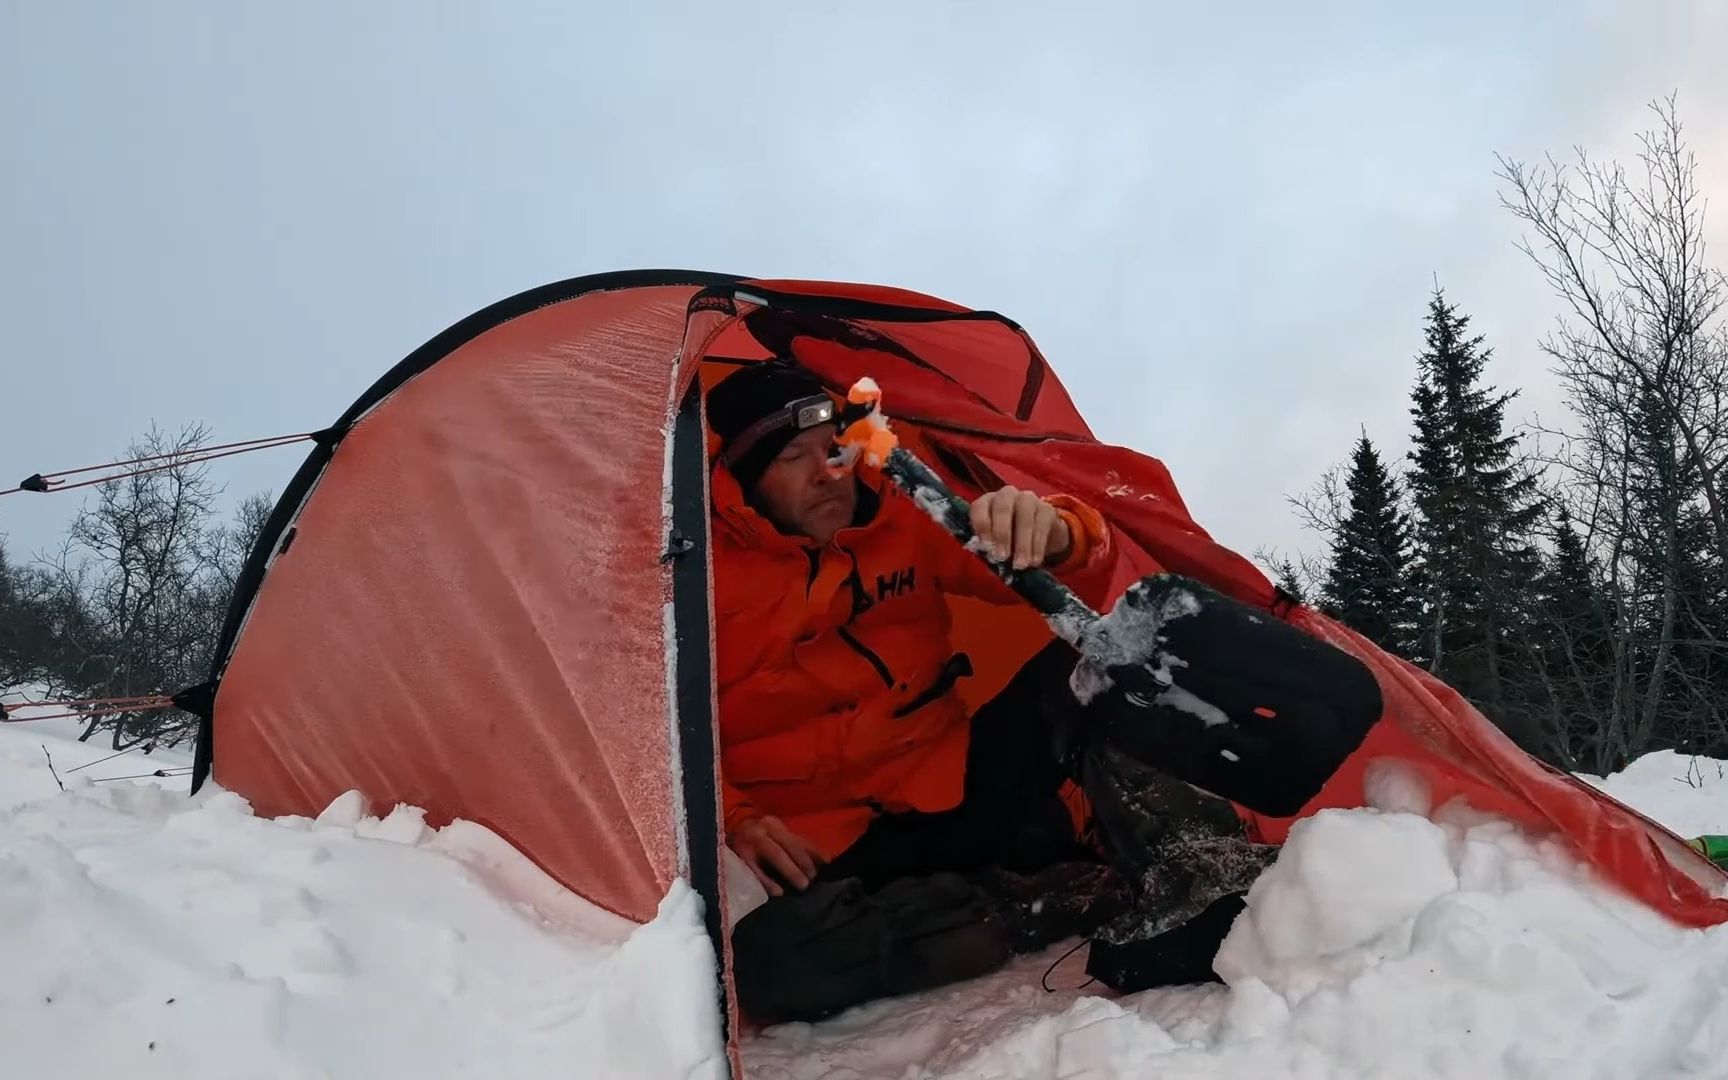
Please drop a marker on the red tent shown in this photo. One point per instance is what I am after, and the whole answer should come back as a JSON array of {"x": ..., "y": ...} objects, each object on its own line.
[{"x": 486, "y": 591}]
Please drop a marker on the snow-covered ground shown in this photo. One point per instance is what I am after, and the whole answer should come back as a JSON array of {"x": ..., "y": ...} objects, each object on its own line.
[
  {"x": 146, "y": 934},
  {"x": 1383, "y": 943},
  {"x": 143, "y": 934},
  {"x": 1686, "y": 794}
]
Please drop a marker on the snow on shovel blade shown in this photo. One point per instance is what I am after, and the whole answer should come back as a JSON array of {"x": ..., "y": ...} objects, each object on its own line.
[
  {"x": 1223, "y": 696},
  {"x": 1207, "y": 689}
]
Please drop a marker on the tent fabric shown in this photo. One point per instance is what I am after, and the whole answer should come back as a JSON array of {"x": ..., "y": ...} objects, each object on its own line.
[
  {"x": 486, "y": 592},
  {"x": 943, "y": 389},
  {"x": 470, "y": 614}
]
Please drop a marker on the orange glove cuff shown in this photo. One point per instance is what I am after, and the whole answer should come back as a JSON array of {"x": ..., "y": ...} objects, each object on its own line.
[{"x": 1087, "y": 532}]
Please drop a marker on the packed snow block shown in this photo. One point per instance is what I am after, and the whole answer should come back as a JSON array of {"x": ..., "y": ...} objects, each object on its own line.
[{"x": 1224, "y": 696}]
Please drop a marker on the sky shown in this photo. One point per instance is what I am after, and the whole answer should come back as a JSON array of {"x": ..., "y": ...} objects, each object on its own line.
[{"x": 1222, "y": 226}]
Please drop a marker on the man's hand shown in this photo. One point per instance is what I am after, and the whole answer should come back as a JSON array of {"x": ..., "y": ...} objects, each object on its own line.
[
  {"x": 1019, "y": 524},
  {"x": 765, "y": 842}
]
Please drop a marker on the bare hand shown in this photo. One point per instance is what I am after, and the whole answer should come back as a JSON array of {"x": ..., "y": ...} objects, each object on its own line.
[
  {"x": 1019, "y": 524},
  {"x": 765, "y": 842}
]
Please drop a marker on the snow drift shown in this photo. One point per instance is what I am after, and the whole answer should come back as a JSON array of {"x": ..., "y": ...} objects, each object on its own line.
[
  {"x": 1384, "y": 942},
  {"x": 147, "y": 935},
  {"x": 161, "y": 936}
]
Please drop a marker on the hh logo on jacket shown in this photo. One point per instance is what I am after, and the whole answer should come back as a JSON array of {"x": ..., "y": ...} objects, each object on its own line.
[{"x": 898, "y": 583}]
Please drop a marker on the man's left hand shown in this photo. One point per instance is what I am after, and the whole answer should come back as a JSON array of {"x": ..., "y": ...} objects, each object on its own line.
[{"x": 1019, "y": 525}]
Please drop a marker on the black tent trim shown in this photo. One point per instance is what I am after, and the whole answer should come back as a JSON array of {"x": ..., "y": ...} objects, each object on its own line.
[
  {"x": 841, "y": 307},
  {"x": 847, "y": 310},
  {"x": 693, "y": 686}
]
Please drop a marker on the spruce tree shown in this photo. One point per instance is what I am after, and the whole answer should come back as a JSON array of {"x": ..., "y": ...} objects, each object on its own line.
[
  {"x": 1291, "y": 582},
  {"x": 1476, "y": 510},
  {"x": 1570, "y": 655},
  {"x": 1368, "y": 586}
]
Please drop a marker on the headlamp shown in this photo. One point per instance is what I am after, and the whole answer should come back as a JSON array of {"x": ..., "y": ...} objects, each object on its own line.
[{"x": 801, "y": 415}]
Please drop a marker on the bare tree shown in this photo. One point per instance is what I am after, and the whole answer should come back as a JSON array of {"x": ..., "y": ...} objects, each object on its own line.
[
  {"x": 1628, "y": 258},
  {"x": 19, "y": 663},
  {"x": 135, "y": 556},
  {"x": 1302, "y": 575},
  {"x": 201, "y": 609},
  {"x": 1643, "y": 356},
  {"x": 1325, "y": 505},
  {"x": 41, "y": 623},
  {"x": 226, "y": 547}
]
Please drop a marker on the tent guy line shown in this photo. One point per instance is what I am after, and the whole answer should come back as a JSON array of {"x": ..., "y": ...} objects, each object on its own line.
[{"x": 55, "y": 482}]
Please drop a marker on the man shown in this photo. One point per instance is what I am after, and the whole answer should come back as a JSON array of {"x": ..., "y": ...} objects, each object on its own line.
[{"x": 903, "y": 843}]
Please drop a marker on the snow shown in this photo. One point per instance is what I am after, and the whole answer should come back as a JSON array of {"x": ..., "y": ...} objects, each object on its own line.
[
  {"x": 1383, "y": 942},
  {"x": 147, "y": 934},
  {"x": 939, "y": 508},
  {"x": 1676, "y": 790},
  {"x": 1132, "y": 633},
  {"x": 151, "y": 934},
  {"x": 37, "y": 750},
  {"x": 1184, "y": 700}
]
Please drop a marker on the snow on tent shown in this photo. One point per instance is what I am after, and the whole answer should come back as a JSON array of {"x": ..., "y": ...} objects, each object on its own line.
[{"x": 486, "y": 591}]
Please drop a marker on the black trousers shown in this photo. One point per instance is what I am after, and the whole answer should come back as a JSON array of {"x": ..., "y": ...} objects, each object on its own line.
[
  {"x": 898, "y": 911},
  {"x": 1011, "y": 814},
  {"x": 921, "y": 899}
]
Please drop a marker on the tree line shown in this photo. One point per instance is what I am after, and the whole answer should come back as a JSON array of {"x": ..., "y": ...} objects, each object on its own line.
[
  {"x": 132, "y": 601},
  {"x": 1571, "y": 581}
]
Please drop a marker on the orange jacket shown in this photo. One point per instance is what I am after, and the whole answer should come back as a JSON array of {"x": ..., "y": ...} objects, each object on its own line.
[{"x": 834, "y": 663}]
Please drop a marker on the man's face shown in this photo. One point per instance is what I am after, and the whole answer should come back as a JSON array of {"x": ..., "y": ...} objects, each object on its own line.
[{"x": 798, "y": 493}]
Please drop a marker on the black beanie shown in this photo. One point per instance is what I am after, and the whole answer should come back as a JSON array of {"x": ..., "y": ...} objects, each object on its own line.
[{"x": 749, "y": 395}]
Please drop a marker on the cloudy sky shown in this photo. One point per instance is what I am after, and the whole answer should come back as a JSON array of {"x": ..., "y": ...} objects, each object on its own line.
[{"x": 1221, "y": 226}]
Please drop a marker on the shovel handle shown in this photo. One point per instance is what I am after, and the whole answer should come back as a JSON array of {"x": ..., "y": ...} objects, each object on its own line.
[{"x": 1066, "y": 613}]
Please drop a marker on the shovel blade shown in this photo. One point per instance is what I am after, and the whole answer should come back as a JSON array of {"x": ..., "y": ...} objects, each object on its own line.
[{"x": 1223, "y": 696}]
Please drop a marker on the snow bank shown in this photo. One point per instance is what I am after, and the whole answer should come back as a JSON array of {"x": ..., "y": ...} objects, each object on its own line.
[
  {"x": 34, "y": 752},
  {"x": 1383, "y": 943},
  {"x": 1686, "y": 794},
  {"x": 146, "y": 934},
  {"x": 1404, "y": 947}
]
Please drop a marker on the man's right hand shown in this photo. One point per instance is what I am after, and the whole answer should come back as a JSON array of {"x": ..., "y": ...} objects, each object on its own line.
[{"x": 774, "y": 853}]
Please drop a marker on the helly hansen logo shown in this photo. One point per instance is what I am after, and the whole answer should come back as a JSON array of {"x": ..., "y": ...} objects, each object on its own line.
[{"x": 895, "y": 584}]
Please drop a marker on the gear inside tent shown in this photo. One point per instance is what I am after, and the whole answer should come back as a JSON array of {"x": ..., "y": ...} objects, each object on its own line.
[{"x": 486, "y": 590}]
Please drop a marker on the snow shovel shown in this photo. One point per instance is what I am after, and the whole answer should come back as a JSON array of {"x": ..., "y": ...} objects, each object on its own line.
[{"x": 1208, "y": 689}]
